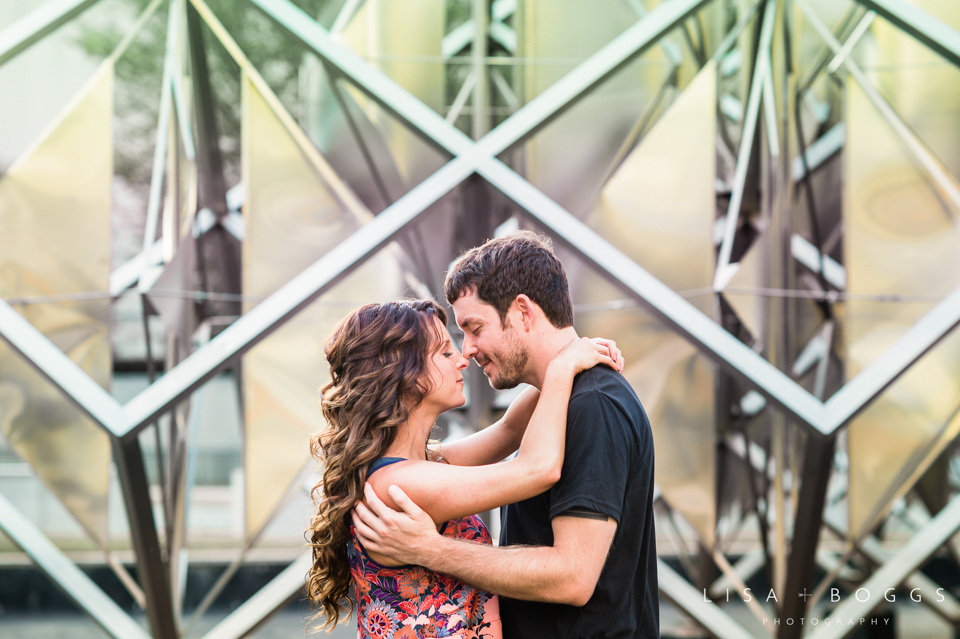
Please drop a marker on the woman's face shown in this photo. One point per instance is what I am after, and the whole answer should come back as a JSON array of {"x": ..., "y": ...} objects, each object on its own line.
[{"x": 446, "y": 373}]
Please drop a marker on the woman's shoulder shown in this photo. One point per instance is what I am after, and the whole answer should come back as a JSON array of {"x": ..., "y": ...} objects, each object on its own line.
[{"x": 393, "y": 473}]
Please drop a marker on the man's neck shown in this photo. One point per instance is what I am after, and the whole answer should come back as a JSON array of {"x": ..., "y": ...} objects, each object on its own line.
[{"x": 547, "y": 345}]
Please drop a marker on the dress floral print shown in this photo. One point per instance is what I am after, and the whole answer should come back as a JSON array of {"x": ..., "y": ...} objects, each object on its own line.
[{"x": 411, "y": 602}]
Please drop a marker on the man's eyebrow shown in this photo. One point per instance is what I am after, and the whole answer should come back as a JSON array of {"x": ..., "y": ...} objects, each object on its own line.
[{"x": 467, "y": 321}]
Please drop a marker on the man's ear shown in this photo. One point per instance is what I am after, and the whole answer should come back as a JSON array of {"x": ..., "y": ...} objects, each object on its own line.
[{"x": 526, "y": 307}]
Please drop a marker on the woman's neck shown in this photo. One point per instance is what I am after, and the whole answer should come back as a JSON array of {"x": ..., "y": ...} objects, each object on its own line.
[{"x": 411, "y": 440}]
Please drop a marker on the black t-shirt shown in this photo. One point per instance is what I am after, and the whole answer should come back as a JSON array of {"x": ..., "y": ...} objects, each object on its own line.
[{"x": 607, "y": 468}]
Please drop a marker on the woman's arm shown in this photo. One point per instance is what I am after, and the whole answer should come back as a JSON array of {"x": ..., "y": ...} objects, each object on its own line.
[
  {"x": 502, "y": 438},
  {"x": 498, "y": 440},
  {"x": 447, "y": 491}
]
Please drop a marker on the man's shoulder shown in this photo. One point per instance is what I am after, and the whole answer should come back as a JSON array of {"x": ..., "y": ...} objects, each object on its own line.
[
  {"x": 605, "y": 385},
  {"x": 604, "y": 381}
]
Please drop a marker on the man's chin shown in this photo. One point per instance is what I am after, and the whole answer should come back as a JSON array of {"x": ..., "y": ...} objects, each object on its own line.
[{"x": 498, "y": 383}]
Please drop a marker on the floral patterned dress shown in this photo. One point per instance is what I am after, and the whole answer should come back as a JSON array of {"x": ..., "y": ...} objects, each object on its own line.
[{"x": 411, "y": 602}]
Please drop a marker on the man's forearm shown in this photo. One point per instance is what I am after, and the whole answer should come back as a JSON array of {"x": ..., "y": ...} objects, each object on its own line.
[{"x": 535, "y": 573}]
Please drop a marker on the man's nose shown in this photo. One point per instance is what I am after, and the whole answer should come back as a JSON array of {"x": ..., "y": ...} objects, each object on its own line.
[{"x": 469, "y": 347}]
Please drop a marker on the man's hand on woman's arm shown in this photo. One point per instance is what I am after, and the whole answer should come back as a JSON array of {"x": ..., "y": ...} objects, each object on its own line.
[{"x": 566, "y": 572}]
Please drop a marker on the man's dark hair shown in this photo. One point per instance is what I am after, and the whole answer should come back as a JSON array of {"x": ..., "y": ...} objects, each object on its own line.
[{"x": 520, "y": 263}]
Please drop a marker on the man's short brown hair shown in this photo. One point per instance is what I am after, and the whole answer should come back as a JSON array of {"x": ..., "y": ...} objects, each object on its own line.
[{"x": 520, "y": 263}]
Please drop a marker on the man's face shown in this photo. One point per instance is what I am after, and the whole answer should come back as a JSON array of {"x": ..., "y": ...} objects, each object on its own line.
[{"x": 498, "y": 350}]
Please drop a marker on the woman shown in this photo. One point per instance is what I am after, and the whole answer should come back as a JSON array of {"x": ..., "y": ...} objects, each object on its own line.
[{"x": 394, "y": 370}]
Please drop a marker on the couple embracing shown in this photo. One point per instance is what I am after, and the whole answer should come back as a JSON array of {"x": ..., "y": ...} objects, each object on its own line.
[{"x": 395, "y": 536}]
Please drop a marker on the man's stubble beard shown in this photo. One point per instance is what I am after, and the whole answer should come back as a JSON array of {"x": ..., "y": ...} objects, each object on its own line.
[{"x": 511, "y": 364}]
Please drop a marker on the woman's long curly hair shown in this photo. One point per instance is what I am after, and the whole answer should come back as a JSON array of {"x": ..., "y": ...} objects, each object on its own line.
[{"x": 378, "y": 358}]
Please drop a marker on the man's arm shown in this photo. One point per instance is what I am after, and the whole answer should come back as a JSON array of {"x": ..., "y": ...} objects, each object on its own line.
[{"x": 566, "y": 572}]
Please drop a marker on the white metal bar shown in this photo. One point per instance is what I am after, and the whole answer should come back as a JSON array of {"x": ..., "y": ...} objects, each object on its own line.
[
  {"x": 725, "y": 271},
  {"x": 687, "y": 598},
  {"x": 258, "y": 608},
  {"x": 894, "y": 571},
  {"x": 37, "y": 24},
  {"x": 65, "y": 574},
  {"x": 48, "y": 360}
]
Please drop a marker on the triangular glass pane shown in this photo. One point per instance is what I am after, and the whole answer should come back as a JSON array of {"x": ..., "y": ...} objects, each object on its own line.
[
  {"x": 921, "y": 85},
  {"x": 659, "y": 205},
  {"x": 292, "y": 220},
  {"x": 900, "y": 239},
  {"x": 402, "y": 38},
  {"x": 572, "y": 156},
  {"x": 675, "y": 385},
  {"x": 41, "y": 81},
  {"x": 55, "y": 194}
]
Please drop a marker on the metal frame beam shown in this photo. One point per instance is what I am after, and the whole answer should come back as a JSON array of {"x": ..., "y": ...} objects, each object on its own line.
[
  {"x": 945, "y": 183},
  {"x": 567, "y": 91},
  {"x": 37, "y": 24},
  {"x": 873, "y": 549},
  {"x": 801, "y": 565},
  {"x": 857, "y": 394},
  {"x": 725, "y": 271},
  {"x": 396, "y": 100},
  {"x": 151, "y": 567},
  {"x": 687, "y": 598},
  {"x": 65, "y": 574},
  {"x": 657, "y": 297},
  {"x": 259, "y": 608},
  {"x": 913, "y": 20},
  {"x": 526, "y": 121},
  {"x": 72, "y": 381},
  {"x": 270, "y": 314},
  {"x": 822, "y": 149},
  {"x": 895, "y": 570},
  {"x": 213, "y": 190},
  {"x": 125, "y": 422}
]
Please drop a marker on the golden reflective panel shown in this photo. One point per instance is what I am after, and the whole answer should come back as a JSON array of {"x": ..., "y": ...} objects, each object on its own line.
[
  {"x": 54, "y": 240},
  {"x": 292, "y": 220},
  {"x": 658, "y": 208},
  {"x": 390, "y": 33},
  {"x": 752, "y": 273},
  {"x": 922, "y": 86},
  {"x": 900, "y": 239},
  {"x": 402, "y": 39}
]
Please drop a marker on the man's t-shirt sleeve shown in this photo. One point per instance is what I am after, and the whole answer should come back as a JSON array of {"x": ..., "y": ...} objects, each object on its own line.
[{"x": 596, "y": 464}]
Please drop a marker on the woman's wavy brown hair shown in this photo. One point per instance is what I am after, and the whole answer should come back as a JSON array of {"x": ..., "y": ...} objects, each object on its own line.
[{"x": 378, "y": 358}]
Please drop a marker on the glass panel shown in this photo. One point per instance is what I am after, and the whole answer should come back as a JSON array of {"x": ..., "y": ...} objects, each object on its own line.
[
  {"x": 55, "y": 240},
  {"x": 659, "y": 205},
  {"x": 922, "y": 86},
  {"x": 658, "y": 208},
  {"x": 292, "y": 220},
  {"x": 899, "y": 240}
]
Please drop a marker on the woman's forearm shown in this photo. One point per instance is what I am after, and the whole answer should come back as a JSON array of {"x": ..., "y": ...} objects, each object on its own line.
[
  {"x": 497, "y": 441},
  {"x": 515, "y": 420},
  {"x": 543, "y": 441}
]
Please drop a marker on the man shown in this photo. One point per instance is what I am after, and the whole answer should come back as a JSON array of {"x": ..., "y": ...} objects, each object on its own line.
[{"x": 580, "y": 559}]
